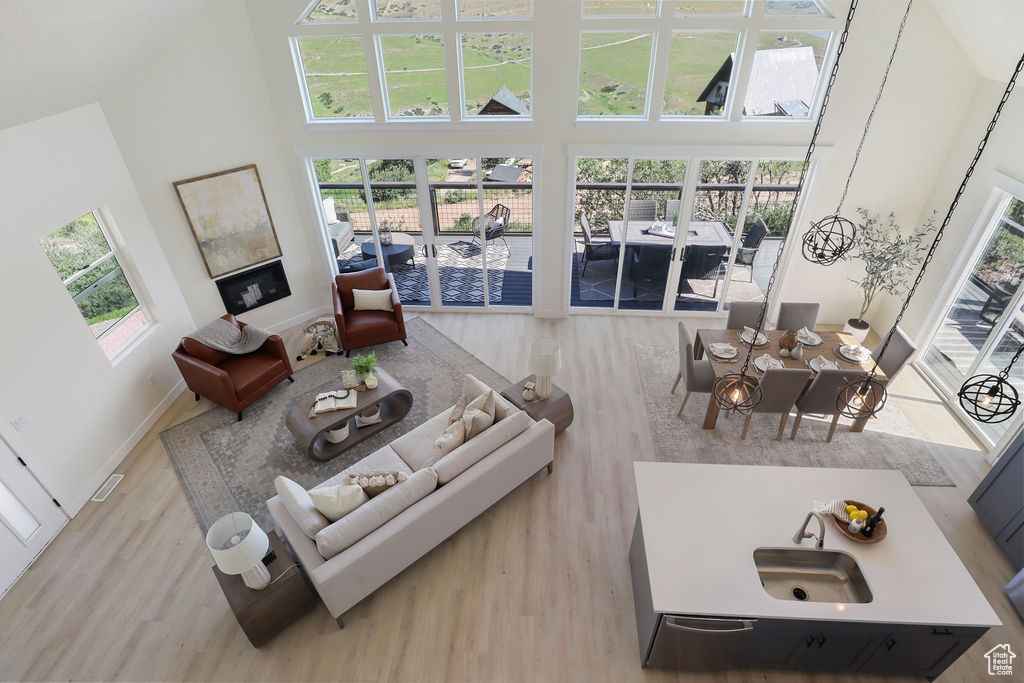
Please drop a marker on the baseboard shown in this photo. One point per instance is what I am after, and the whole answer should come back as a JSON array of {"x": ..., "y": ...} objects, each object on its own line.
[
  {"x": 300, "y": 318},
  {"x": 73, "y": 506}
]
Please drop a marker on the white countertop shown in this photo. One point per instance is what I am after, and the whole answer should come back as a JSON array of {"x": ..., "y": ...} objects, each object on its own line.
[{"x": 701, "y": 524}]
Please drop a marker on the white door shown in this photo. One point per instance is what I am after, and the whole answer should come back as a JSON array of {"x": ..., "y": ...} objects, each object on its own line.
[{"x": 29, "y": 519}]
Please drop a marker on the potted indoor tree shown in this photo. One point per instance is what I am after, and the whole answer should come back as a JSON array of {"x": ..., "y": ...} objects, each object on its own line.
[{"x": 889, "y": 258}]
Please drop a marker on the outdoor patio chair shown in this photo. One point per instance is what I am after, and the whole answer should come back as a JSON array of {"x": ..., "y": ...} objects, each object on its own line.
[
  {"x": 601, "y": 251},
  {"x": 671, "y": 209},
  {"x": 649, "y": 263},
  {"x": 704, "y": 263},
  {"x": 493, "y": 227},
  {"x": 643, "y": 210},
  {"x": 751, "y": 243}
]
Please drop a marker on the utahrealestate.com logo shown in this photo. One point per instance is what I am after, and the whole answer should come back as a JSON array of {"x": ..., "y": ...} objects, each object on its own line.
[{"x": 1000, "y": 660}]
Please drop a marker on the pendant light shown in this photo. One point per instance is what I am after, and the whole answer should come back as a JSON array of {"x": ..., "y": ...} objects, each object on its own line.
[
  {"x": 864, "y": 395},
  {"x": 740, "y": 391},
  {"x": 831, "y": 238},
  {"x": 991, "y": 398}
]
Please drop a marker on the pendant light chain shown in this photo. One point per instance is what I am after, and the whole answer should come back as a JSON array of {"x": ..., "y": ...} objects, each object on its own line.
[
  {"x": 878, "y": 98},
  {"x": 949, "y": 214},
  {"x": 800, "y": 183}
]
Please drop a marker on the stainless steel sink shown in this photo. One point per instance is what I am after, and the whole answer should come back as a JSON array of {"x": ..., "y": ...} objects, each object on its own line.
[{"x": 806, "y": 574}]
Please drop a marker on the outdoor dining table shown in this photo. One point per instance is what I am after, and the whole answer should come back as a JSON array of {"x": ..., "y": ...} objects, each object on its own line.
[
  {"x": 701, "y": 234},
  {"x": 829, "y": 341}
]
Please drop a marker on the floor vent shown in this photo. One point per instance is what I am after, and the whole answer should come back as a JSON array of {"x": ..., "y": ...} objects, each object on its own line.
[{"x": 107, "y": 487}]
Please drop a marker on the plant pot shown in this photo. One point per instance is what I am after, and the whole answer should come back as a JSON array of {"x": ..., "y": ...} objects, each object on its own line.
[
  {"x": 337, "y": 435},
  {"x": 858, "y": 328}
]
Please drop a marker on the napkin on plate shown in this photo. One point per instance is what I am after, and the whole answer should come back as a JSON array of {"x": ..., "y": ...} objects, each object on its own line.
[
  {"x": 769, "y": 362},
  {"x": 722, "y": 350},
  {"x": 856, "y": 351},
  {"x": 805, "y": 335},
  {"x": 822, "y": 363},
  {"x": 748, "y": 334}
]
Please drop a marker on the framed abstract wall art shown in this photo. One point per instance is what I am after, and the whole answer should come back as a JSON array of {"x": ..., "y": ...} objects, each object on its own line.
[{"x": 230, "y": 219}]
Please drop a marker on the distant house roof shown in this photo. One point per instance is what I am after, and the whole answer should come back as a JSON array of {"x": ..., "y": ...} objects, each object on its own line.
[
  {"x": 504, "y": 174},
  {"x": 505, "y": 103},
  {"x": 781, "y": 82}
]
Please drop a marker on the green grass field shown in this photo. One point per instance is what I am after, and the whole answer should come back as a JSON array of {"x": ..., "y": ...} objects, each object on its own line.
[
  {"x": 693, "y": 60},
  {"x": 613, "y": 73}
]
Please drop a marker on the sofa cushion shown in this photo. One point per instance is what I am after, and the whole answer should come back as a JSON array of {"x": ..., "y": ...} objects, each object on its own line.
[
  {"x": 202, "y": 351},
  {"x": 334, "y": 502},
  {"x": 300, "y": 506},
  {"x": 384, "y": 458},
  {"x": 249, "y": 373},
  {"x": 370, "y": 323},
  {"x": 477, "y": 448},
  {"x": 479, "y": 414},
  {"x": 375, "y": 513},
  {"x": 372, "y": 300},
  {"x": 416, "y": 447},
  {"x": 471, "y": 387}
]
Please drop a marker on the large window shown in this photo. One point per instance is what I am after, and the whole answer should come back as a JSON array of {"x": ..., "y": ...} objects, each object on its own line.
[
  {"x": 90, "y": 271},
  {"x": 615, "y": 70},
  {"x": 414, "y": 75}
]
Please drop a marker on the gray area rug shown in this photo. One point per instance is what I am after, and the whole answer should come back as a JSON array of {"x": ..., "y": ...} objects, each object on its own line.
[
  {"x": 224, "y": 465},
  {"x": 889, "y": 442}
]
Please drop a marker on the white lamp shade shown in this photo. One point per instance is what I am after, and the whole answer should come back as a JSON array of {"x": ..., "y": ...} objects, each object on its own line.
[
  {"x": 545, "y": 356},
  {"x": 237, "y": 543}
]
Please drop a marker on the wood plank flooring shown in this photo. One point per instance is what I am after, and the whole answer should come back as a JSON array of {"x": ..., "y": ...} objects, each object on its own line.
[{"x": 535, "y": 589}]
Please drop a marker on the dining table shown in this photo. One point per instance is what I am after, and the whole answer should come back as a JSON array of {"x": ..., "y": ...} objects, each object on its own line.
[
  {"x": 699, "y": 234},
  {"x": 830, "y": 340}
]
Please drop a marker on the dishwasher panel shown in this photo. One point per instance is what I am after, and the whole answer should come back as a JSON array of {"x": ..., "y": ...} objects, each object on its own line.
[{"x": 698, "y": 643}]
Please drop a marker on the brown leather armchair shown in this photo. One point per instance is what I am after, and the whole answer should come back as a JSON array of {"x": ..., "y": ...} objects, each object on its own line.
[
  {"x": 234, "y": 382},
  {"x": 366, "y": 328}
]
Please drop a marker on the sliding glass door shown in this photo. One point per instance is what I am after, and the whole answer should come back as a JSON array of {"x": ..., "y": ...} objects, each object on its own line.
[
  {"x": 452, "y": 232},
  {"x": 983, "y": 325}
]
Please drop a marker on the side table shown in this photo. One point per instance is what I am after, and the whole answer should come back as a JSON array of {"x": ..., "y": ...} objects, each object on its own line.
[
  {"x": 263, "y": 614},
  {"x": 556, "y": 408}
]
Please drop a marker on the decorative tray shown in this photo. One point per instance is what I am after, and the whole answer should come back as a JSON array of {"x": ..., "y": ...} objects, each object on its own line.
[{"x": 880, "y": 530}]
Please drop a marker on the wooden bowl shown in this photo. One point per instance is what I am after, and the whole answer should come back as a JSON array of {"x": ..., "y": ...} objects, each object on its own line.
[{"x": 880, "y": 530}]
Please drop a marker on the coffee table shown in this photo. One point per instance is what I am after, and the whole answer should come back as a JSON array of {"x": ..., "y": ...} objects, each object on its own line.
[
  {"x": 401, "y": 249},
  {"x": 393, "y": 399}
]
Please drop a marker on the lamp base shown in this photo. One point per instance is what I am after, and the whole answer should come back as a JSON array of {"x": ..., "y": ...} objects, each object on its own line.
[
  {"x": 258, "y": 577},
  {"x": 543, "y": 389}
]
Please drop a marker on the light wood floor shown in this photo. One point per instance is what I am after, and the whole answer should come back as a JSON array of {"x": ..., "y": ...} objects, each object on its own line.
[{"x": 536, "y": 589}]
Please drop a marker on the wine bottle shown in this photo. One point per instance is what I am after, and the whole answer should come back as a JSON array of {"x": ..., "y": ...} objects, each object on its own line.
[{"x": 873, "y": 520}]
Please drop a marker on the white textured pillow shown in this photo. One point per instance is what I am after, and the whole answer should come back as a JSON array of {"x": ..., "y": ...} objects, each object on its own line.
[
  {"x": 372, "y": 299},
  {"x": 334, "y": 502},
  {"x": 450, "y": 439},
  {"x": 300, "y": 506},
  {"x": 329, "y": 211},
  {"x": 479, "y": 414}
]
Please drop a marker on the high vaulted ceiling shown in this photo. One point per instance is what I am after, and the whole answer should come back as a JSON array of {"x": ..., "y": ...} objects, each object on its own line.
[
  {"x": 989, "y": 31},
  {"x": 61, "y": 54}
]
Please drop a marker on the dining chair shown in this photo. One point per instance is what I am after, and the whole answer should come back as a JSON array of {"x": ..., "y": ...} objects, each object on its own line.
[
  {"x": 696, "y": 375},
  {"x": 743, "y": 313},
  {"x": 896, "y": 357},
  {"x": 793, "y": 316},
  {"x": 780, "y": 388},
  {"x": 643, "y": 210},
  {"x": 820, "y": 398}
]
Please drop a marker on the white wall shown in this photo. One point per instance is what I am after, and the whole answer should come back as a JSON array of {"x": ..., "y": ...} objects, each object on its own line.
[
  {"x": 199, "y": 106},
  {"x": 82, "y": 414}
]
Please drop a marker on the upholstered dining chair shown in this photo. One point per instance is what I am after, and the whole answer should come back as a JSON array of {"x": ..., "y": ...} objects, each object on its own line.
[
  {"x": 793, "y": 316},
  {"x": 780, "y": 389},
  {"x": 696, "y": 375},
  {"x": 643, "y": 210},
  {"x": 743, "y": 313},
  {"x": 359, "y": 328},
  {"x": 820, "y": 398},
  {"x": 896, "y": 357}
]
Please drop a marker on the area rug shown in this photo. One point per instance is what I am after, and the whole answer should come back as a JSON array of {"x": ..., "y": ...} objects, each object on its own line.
[
  {"x": 889, "y": 442},
  {"x": 224, "y": 465}
]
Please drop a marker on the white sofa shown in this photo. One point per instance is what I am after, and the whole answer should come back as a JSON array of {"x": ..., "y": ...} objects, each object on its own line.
[
  {"x": 339, "y": 227},
  {"x": 345, "y": 566}
]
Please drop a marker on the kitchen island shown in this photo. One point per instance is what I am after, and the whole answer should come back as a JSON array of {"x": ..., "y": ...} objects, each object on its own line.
[{"x": 700, "y": 603}]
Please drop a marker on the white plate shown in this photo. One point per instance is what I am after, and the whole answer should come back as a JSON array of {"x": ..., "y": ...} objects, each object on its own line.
[
  {"x": 761, "y": 362},
  {"x": 819, "y": 363},
  {"x": 811, "y": 339},
  {"x": 855, "y": 352},
  {"x": 725, "y": 352},
  {"x": 761, "y": 339}
]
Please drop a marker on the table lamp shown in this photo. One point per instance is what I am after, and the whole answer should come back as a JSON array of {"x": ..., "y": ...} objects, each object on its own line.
[
  {"x": 545, "y": 361},
  {"x": 238, "y": 545}
]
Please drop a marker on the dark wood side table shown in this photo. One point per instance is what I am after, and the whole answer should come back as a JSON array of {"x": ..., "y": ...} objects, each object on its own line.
[
  {"x": 556, "y": 409},
  {"x": 263, "y": 614}
]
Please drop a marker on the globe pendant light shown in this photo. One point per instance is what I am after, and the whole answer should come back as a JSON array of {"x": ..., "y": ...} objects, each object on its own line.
[
  {"x": 832, "y": 238},
  {"x": 864, "y": 395},
  {"x": 991, "y": 398},
  {"x": 739, "y": 391}
]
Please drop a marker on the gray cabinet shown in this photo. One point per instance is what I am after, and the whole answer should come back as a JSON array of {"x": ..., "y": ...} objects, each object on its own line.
[
  {"x": 920, "y": 650},
  {"x": 835, "y": 647},
  {"x": 999, "y": 501}
]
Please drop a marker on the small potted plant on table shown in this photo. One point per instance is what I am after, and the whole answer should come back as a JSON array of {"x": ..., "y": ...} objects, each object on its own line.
[{"x": 363, "y": 367}]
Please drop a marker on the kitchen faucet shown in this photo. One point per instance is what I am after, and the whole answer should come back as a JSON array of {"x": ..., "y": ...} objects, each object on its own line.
[{"x": 803, "y": 533}]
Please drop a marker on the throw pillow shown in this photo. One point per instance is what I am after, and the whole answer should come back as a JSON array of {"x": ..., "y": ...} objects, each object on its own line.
[
  {"x": 458, "y": 410},
  {"x": 479, "y": 414},
  {"x": 376, "y": 481},
  {"x": 334, "y": 502},
  {"x": 300, "y": 506},
  {"x": 329, "y": 210},
  {"x": 372, "y": 299},
  {"x": 450, "y": 439}
]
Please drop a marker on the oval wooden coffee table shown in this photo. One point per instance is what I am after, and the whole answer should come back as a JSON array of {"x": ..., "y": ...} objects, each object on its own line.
[{"x": 394, "y": 401}]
